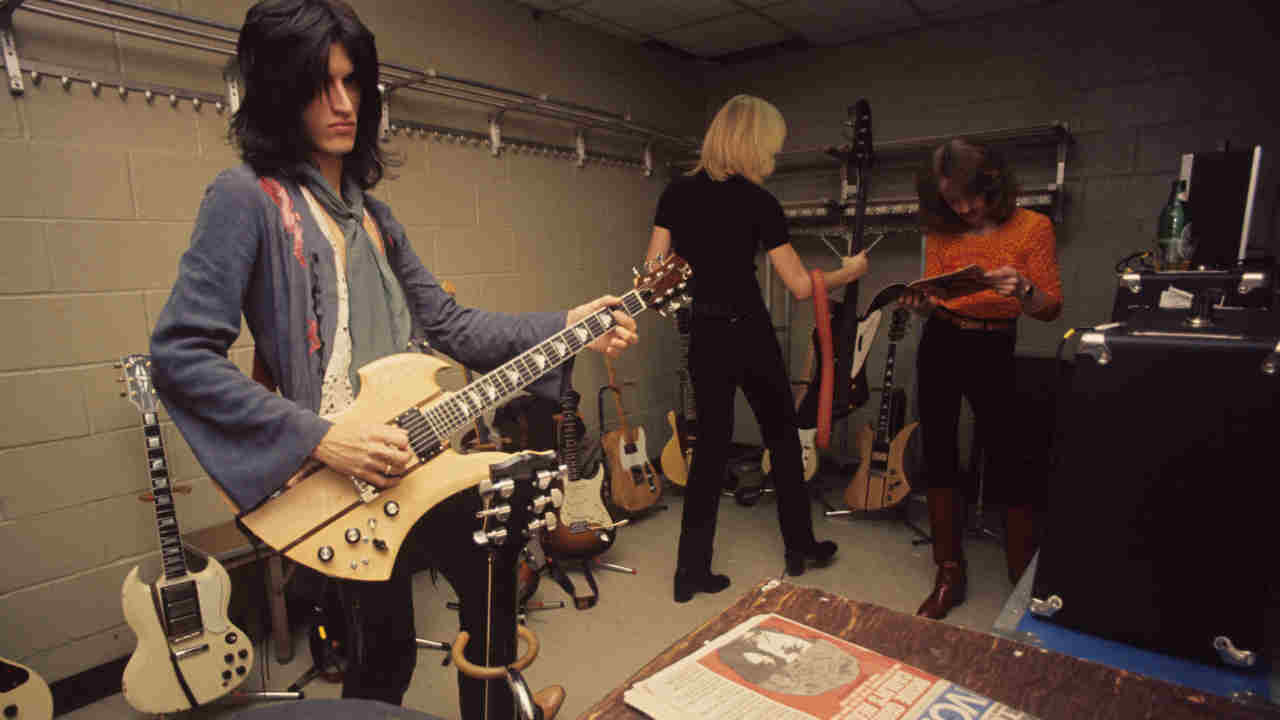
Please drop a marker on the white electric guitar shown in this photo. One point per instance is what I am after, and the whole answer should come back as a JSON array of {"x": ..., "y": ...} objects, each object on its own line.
[
  {"x": 188, "y": 652},
  {"x": 24, "y": 694}
]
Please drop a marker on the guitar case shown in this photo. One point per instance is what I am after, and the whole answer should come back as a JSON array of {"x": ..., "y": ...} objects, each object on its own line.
[{"x": 1163, "y": 455}]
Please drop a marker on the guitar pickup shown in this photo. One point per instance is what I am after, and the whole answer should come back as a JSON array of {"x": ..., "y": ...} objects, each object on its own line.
[{"x": 190, "y": 652}]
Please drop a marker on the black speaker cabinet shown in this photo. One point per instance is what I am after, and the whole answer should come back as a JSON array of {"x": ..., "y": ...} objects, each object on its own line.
[{"x": 1160, "y": 530}]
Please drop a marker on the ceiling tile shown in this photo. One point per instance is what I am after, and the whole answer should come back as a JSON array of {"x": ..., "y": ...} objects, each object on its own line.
[
  {"x": 952, "y": 9},
  {"x": 577, "y": 16},
  {"x": 825, "y": 16},
  {"x": 724, "y": 35},
  {"x": 655, "y": 16},
  {"x": 547, "y": 4}
]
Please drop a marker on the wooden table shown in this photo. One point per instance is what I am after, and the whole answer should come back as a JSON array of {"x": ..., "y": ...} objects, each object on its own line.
[
  {"x": 1041, "y": 682},
  {"x": 226, "y": 544}
]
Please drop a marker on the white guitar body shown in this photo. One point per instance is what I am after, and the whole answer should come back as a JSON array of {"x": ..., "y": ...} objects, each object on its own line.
[
  {"x": 638, "y": 456},
  {"x": 867, "y": 329},
  {"x": 155, "y": 673},
  {"x": 808, "y": 454},
  {"x": 24, "y": 691},
  {"x": 583, "y": 507}
]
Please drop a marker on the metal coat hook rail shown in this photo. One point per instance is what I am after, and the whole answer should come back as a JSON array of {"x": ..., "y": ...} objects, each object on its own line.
[{"x": 211, "y": 38}]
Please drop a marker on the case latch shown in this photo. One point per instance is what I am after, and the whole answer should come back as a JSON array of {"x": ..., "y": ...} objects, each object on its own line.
[
  {"x": 1045, "y": 608},
  {"x": 1232, "y": 655},
  {"x": 1133, "y": 281},
  {"x": 1095, "y": 344}
]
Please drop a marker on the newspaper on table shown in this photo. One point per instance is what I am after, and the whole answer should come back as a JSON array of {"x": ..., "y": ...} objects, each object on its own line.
[{"x": 773, "y": 668}]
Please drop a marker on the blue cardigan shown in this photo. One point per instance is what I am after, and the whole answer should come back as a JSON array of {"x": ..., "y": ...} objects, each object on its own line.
[{"x": 254, "y": 251}]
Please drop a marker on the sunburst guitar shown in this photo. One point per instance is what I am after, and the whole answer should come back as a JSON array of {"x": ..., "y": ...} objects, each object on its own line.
[
  {"x": 188, "y": 652},
  {"x": 345, "y": 528},
  {"x": 585, "y": 528},
  {"x": 24, "y": 695}
]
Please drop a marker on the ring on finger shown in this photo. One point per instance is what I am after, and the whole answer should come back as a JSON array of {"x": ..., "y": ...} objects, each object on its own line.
[{"x": 388, "y": 470}]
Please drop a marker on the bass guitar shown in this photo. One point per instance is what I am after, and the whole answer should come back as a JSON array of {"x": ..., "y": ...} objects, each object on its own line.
[
  {"x": 585, "y": 528},
  {"x": 634, "y": 485},
  {"x": 677, "y": 454},
  {"x": 881, "y": 481},
  {"x": 23, "y": 693},
  {"x": 188, "y": 652},
  {"x": 346, "y": 528}
]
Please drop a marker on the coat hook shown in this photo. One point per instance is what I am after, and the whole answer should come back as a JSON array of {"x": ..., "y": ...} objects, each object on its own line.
[
  {"x": 173, "y": 100},
  {"x": 66, "y": 83},
  {"x": 150, "y": 96},
  {"x": 195, "y": 104},
  {"x": 219, "y": 106},
  {"x": 95, "y": 87},
  {"x": 35, "y": 78},
  {"x": 124, "y": 92}
]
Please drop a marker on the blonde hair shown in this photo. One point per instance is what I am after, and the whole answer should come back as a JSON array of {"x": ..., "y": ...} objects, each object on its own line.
[{"x": 743, "y": 138}]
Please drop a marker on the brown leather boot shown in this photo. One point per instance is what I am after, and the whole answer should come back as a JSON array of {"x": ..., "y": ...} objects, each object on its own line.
[
  {"x": 1019, "y": 539},
  {"x": 549, "y": 699},
  {"x": 946, "y": 524}
]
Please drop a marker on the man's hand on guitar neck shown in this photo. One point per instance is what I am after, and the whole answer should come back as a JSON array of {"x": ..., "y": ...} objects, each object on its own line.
[
  {"x": 375, "y": 453},
  {"x": 918, "y": 302},
  {"x": 619, "y": 338}
]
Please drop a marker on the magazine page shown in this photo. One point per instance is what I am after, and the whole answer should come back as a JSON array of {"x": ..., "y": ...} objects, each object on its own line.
[
  {"x": 957, "y": 283},
  {"x": 773, "y": 668}
]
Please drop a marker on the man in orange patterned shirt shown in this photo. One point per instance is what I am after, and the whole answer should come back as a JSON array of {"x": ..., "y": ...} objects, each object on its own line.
[{"x": 969, "y": 214}]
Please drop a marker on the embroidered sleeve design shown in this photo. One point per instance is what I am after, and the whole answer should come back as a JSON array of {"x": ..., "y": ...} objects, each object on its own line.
[{"x": 292, "y": 221}]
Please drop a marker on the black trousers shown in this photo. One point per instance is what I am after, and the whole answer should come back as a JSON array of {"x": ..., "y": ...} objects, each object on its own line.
[
  {"x": 727, "y": 353},
  {"x": 978, "y": 365},
  {"x": 382, "y": 651}
]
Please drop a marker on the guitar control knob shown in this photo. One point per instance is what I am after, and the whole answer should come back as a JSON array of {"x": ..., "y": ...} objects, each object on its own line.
[
  {"x": 243, "y": 654},
  {"x": 325, "y": 553},
  {"x": 391, "y": 508},
  {"x": 379, "y": 544},
  {"x": 229, "y": 658},
  {"x": 231, "y": 638},
  {"x": 226, "y": 674},
  {"x": 240, "y": 670},
  {"x": 353, "y": 535}
]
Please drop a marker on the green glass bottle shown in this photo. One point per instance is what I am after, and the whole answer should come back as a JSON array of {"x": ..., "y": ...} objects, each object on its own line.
[{"x": 1173, "y": 237}]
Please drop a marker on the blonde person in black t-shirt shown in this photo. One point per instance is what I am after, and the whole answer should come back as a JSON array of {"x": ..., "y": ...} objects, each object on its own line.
[{"x": 717, "y": 217}]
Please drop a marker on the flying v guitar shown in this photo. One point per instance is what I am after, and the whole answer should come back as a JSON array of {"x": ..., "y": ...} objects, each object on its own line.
[{"x": 348, "y": 529}]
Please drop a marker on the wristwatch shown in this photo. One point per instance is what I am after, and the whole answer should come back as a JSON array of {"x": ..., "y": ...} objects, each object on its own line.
[{"x": 1031, "y": 290}]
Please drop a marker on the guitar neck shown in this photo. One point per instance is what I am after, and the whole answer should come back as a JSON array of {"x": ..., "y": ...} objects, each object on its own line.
[
  {"x": 886, "y": 400},
  {"x": 430, "y": 427},
  {"x": 569, "y": 436},
  {"x": 171, "y": 550},
  {"x": 688, "y": 404}
]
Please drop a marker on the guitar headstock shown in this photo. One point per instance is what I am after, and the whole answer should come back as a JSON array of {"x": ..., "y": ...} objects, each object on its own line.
[
  {"x": 137, "y": 381},
  {"x": 898, "y": 324},
  {"x": 665, "y": 288},
  {"x": 520, "y": 500}
]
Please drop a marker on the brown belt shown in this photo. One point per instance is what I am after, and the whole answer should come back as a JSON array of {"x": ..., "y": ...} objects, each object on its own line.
[{"x": 970, "y": 323}]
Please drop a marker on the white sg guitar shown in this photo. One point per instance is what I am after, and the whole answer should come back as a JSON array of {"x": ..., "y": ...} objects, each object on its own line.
[
  {"x": 188, "y": 652},
  {"x": 24, "y": 694},
  {"x": 808, "y": 454}
]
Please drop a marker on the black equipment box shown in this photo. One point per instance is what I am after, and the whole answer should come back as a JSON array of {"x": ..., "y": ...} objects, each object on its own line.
[
  {"x": 1243, "y": 287},
  {"x": 1159, "y": 532}
]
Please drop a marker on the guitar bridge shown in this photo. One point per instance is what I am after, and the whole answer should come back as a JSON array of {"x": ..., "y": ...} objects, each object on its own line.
[{"x": 366, "y": 491}]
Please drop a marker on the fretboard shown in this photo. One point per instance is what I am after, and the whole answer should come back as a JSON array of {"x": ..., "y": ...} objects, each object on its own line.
[
  {"x": 569, "y": 436},
  {"x": 171, "y": 552},
  {"x": 886, "y": 400},
  {"x": 429, "y": 427}
]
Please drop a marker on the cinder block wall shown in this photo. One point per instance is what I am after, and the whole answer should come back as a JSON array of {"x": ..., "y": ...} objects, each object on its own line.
[
  {"x": 1138, "y": 83},
  {"x": 97, "y": 199}
]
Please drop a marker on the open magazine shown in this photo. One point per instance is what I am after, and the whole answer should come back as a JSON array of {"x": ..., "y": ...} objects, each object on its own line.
[
  {"x": 773, "y": 668},
  {"x": 957, "y": 283}
]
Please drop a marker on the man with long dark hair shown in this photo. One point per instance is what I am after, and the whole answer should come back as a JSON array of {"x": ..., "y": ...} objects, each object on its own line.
[{"x": 327, "y": 282}]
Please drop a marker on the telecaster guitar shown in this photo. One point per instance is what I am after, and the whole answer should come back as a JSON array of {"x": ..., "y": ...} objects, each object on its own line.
[
  {"x": 345, "y": 528},
  {"x": 23, "y": 693},
  {"x": 188, "y": 652},
  {"x": 634, "y": 484}
]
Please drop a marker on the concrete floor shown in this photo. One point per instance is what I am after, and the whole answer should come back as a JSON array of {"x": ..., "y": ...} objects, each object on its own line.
[{"x": 593, "y": 651}]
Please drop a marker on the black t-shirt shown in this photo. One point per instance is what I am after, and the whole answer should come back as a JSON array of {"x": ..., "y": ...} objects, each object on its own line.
[{"x": 718, "y": 227}]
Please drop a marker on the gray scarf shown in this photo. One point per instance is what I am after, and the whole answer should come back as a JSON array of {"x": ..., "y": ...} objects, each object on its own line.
[{"x": 379, "y": 316}]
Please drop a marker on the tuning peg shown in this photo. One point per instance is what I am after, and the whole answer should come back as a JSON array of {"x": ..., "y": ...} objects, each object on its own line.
[
  {"x": 485, "y": 539},
  {"x": 557, "y": 497},
  {"x": 488, "y": 487},
  {"x": 501, "y": 512},
  {"x": 634, "y": 271},
  {"x": 544, "y": 477}
]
